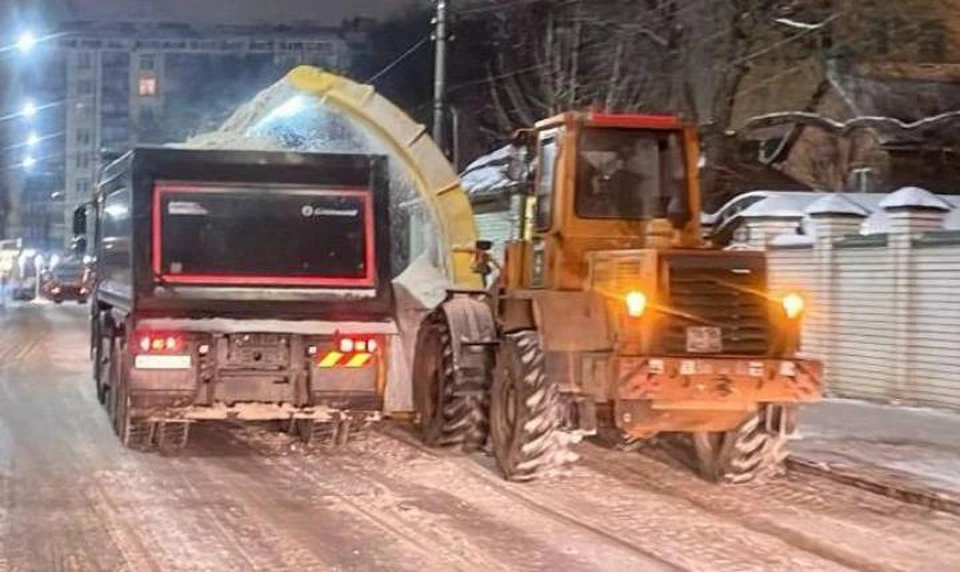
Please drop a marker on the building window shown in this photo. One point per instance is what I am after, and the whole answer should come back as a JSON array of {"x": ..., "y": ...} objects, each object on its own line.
[
  {"x": 147, "y": 87},
  {"x": 84, "y": 60},
  {"x": 147, "y": 62},
  {"x": 83, "y": 160},
  {"x": 83, "y": 136},
  {"x": 147, "y": 115},
  {"x": 83, "y": 186},
  {"x": 85, "y": 87}
]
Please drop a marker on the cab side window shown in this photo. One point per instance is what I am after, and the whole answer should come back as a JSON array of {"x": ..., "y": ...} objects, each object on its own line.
[{"x": 547, "y": 157}]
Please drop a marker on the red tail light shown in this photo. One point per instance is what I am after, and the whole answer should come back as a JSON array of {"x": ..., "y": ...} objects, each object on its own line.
[{"x": 159, "y": 343}]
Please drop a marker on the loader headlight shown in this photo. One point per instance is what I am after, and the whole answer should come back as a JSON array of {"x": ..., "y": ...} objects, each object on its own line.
[
  {"x": 793, "y": 305},
  {"x": 636, "y": 304}
]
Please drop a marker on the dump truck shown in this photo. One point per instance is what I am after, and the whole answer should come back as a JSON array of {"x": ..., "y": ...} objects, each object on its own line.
[
  {"x": 240, "y": 285},
  {"x": 612, "y": 312}
]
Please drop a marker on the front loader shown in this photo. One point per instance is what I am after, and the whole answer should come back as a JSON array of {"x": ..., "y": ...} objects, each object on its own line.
[{"x": 611, "y": 311}]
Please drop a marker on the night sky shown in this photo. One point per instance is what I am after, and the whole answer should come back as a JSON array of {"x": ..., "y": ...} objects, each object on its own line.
[{"x": 214, "y": 11}]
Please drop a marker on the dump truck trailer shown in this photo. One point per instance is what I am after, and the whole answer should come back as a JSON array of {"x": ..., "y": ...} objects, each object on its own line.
[{"x": 240, "y": 285}]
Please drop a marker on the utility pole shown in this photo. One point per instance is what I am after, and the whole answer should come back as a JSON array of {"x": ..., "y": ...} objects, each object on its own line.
[{"x": 440, "y": 72}]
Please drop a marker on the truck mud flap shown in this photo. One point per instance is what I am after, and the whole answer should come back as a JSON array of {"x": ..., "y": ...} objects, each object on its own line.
[
  {"x": 144, "y": 434},
  {"x": 331, "y": 433}
]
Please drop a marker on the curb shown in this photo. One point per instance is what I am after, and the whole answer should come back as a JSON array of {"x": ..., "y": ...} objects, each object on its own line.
[{"x": 879, "y": 483}]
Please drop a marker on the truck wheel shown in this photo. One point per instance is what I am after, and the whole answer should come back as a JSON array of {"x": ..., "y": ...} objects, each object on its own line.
[
  {"x": 101, "y": 364},
  {"x": 133, "y": 433},
  {"x": 452, "y": 403},
  {"x": 751, "y": 450},
  {"x": 525, "y": 412}
]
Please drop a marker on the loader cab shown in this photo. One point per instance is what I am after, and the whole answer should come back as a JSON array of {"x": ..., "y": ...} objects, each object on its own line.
[{"x": 605, "y": 182}]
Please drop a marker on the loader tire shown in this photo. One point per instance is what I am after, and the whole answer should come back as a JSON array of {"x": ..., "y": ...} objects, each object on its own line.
[
  {"x": 450, "y": 415},
  {"x": 751, "y": 450},
  {"x": 525, "y": 412}
]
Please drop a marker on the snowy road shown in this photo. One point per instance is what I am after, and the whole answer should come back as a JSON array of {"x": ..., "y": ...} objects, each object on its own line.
[{"x": 72, "y": 499}]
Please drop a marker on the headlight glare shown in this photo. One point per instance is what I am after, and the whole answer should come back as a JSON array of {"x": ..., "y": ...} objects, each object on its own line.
[
  {"x": 636, "y": 304},
  {"x": 793, "y": 305}
]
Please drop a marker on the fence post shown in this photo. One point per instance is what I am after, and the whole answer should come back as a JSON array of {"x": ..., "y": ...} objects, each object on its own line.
[
  {"x": 833, "y": 217},
  {"x": 771, "y": 217},
  {"x": 911, "y": 211}
]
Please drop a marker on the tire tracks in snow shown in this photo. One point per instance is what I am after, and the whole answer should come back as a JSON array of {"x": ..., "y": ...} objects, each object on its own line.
[{"x": 807, "y": 513}]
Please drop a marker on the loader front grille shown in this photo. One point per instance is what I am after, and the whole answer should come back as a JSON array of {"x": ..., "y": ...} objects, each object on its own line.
[{"x": 723, "y": 295}]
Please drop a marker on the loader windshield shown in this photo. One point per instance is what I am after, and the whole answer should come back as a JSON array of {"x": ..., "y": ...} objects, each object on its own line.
[{"x": 629, "y": 174}]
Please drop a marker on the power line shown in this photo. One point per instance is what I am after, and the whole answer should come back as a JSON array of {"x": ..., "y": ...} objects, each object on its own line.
[{"x": 399, "y": 59}]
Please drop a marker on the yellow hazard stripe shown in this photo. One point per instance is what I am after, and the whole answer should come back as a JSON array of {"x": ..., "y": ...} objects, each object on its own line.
[
  {"x": 330, "y": 360},
  {"x": 359, "y": 360}
]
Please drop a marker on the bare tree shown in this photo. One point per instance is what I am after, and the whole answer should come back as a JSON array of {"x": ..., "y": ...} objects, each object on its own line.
[{"x": 689, "y": 57}]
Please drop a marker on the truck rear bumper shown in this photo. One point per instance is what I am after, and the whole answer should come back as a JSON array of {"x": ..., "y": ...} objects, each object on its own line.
[
  {"x": 718, "y": 383},
  {"x": 255, "y": 412}
]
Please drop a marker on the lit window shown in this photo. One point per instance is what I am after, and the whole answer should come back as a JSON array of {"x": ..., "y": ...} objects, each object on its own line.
[{"x": 147, "y": 86}]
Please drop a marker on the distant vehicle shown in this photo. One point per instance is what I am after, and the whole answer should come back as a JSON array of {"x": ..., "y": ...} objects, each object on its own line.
[
  {"x": 66, "y": 280},
  {"x": 22, "y": 284},
  {"x": 257, "y": 288}
]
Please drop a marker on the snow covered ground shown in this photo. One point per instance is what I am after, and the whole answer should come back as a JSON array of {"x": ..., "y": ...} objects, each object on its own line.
[{"x": 915, "y": 444}]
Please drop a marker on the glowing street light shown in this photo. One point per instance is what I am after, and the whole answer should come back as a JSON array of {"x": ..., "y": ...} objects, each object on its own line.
[
  {"x": 29, "y": 162},
  {"x": 32, "y": 139},
  {"x": 29, "y": 109},
  {"x": 26, "y": 42}
]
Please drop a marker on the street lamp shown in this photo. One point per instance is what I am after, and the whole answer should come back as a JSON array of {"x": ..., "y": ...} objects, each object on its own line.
[
  {"x": 29, "y": 162},
  {"x": 26, "y": 42},
  {"x": 29, "y": 109},
  {"x": 32, "y": 139}
]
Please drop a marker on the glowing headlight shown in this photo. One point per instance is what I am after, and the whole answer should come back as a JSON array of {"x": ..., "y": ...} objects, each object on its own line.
[
  {"x": 636, "y": 304},
  {"x": 793, "y": 305}
]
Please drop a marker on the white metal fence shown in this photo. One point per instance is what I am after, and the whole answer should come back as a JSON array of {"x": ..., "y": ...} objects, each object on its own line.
[{"x": 884, "y": 308}]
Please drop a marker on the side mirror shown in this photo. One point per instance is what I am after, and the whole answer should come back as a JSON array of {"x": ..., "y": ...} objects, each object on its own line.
[
  {"x": 484, "y": 245},
  {"x": 80, "y": 220}
]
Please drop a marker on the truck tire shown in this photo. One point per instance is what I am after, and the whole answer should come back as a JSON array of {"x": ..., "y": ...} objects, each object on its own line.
[
  {"x": 102, "y": 336},
  {"x": 525, "y": 412},
  {"x": 745, "y": 453},
  {"x": 452, "y": 402},
  {"x": 101, "y": 365},
  {"x": 133, "y": 433}
]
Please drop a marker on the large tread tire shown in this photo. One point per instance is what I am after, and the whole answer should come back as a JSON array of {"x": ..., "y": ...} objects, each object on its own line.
[
  {"x": 750, "y": 451},
  {"x": 526, "y": 414},
  {"x": 453, "y": 408}
]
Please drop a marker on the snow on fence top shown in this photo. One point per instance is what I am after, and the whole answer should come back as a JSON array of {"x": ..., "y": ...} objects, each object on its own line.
[{"x": 800, "y": 206}]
